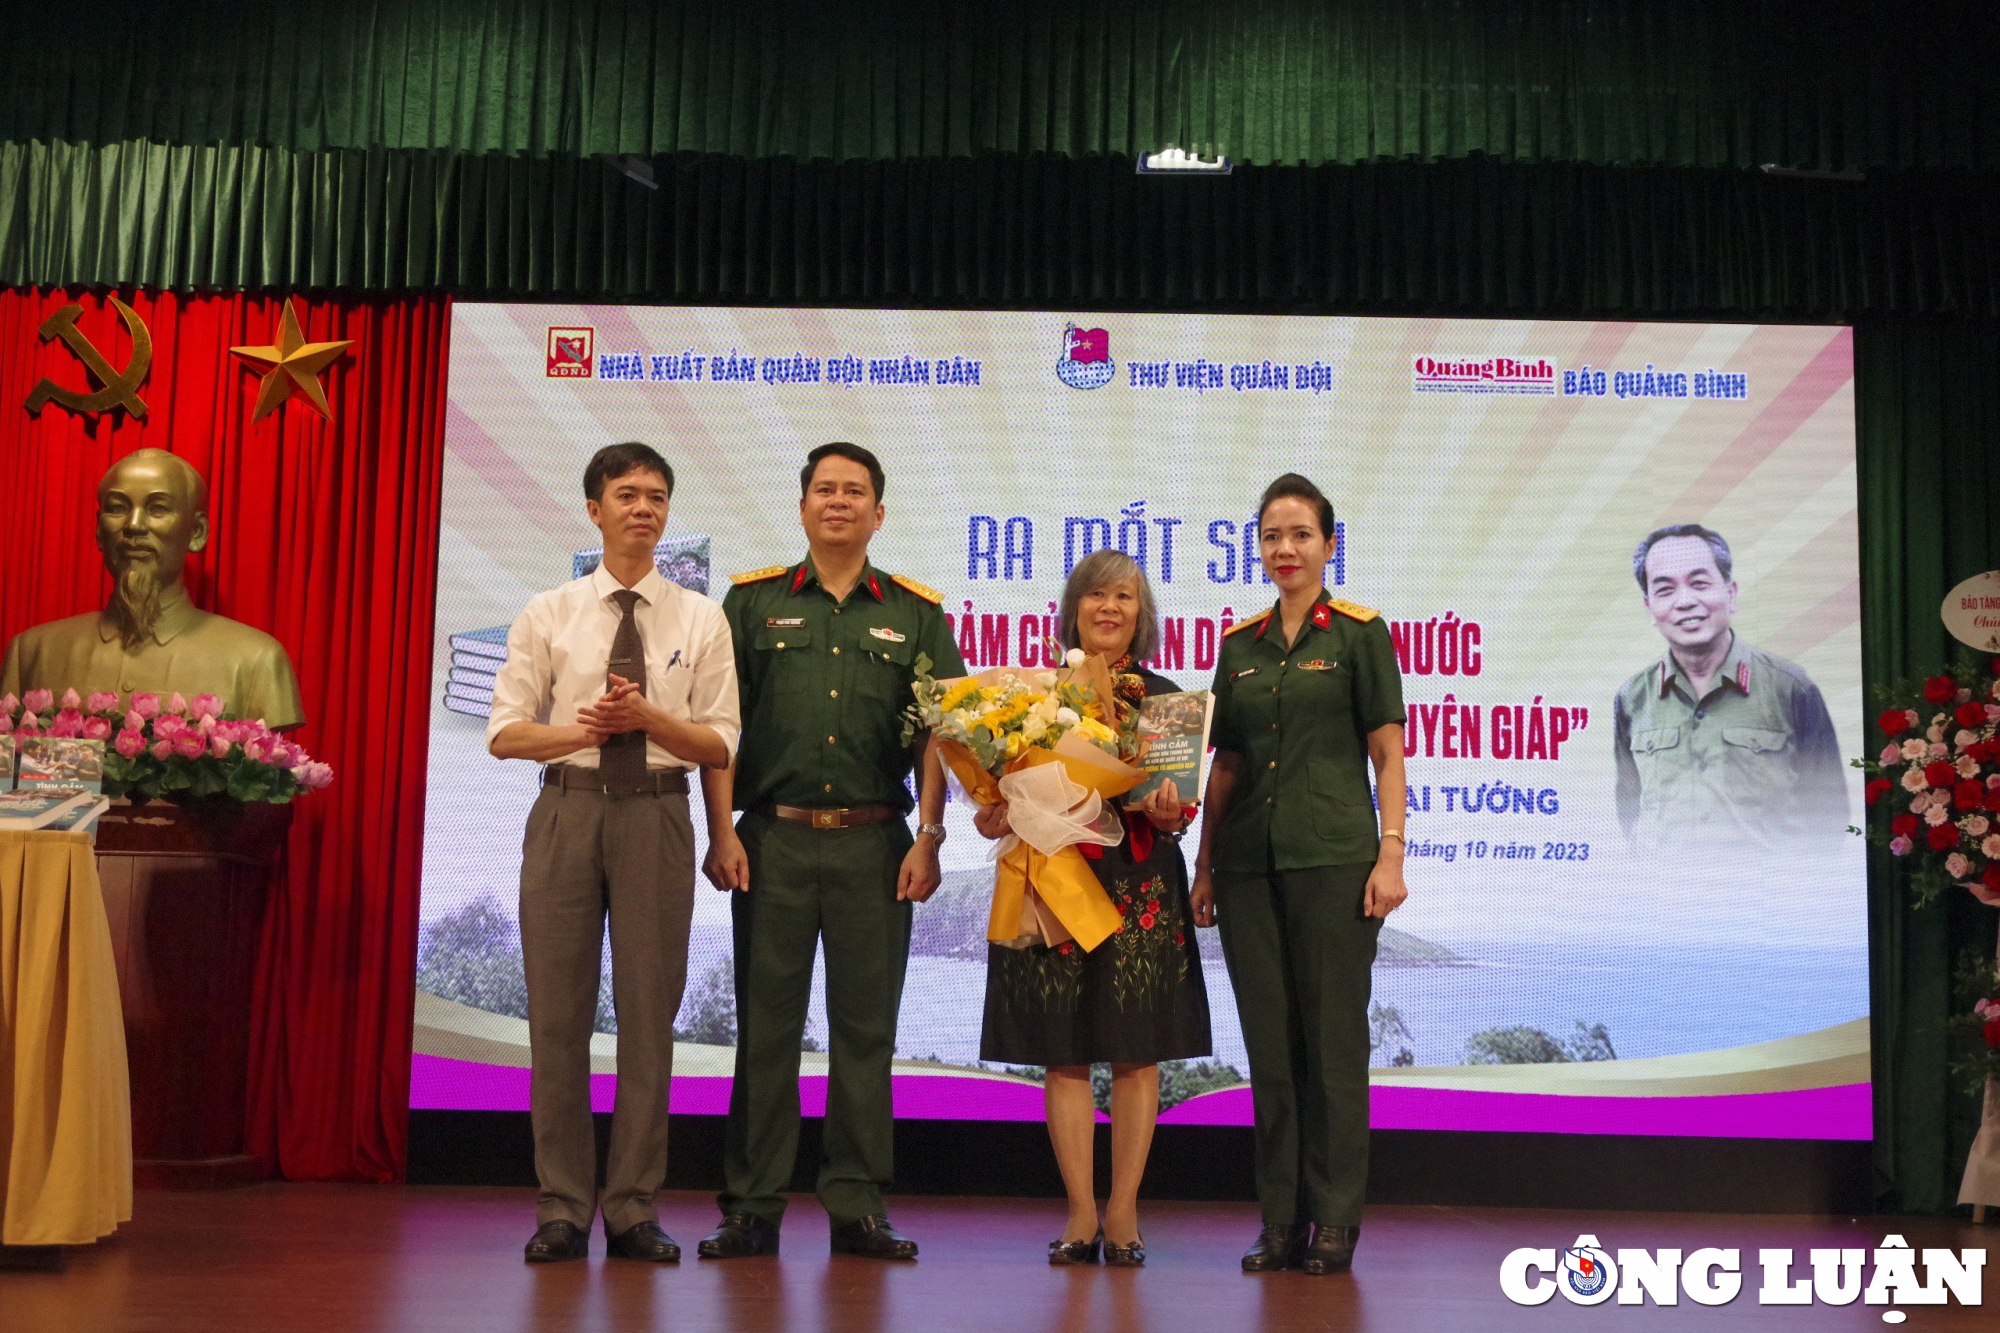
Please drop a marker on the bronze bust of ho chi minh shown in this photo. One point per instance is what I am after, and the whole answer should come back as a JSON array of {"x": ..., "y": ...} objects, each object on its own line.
[{"x": 152, "y": 510}]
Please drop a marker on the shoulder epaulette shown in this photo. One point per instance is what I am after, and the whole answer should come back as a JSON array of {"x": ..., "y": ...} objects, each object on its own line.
[
  {"x": 931, "y": 595},
  {"x": 758, "y": 575},
  {"x": 1354, "y": 610},
  {"x": 1257, "y": 619}
]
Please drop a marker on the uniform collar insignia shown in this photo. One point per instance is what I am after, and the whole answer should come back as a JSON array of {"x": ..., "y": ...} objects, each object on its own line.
[
  {"x": 1322, "y": 615},
  {"x": 1270, "y": 619},
  {"x": 874, "y": 586},
  {"x": 801, "y": 574}
]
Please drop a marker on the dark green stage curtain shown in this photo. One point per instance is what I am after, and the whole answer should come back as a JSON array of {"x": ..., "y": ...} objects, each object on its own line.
[
  {"x": 1810, "y": 83},
  {"x": 1927, "y": 400},
  {"x": 1552, "y": 239}
]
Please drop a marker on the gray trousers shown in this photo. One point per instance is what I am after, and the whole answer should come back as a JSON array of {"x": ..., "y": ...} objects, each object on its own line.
[{"x": 586, "y": 856}]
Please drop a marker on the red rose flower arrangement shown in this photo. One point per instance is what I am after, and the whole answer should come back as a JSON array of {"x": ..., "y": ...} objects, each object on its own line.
[{"x": 1934, "y": 790}]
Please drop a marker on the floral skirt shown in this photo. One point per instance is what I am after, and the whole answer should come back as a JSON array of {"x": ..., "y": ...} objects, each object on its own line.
[{"x": 1137, "y": 998}]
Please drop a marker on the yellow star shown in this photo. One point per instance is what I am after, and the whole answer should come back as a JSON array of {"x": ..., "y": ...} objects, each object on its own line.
[{"x": 294, "y": 367}]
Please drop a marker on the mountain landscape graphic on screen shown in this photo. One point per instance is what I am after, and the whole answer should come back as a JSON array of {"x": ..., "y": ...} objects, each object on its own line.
[{"x": 1618, "y": 921}]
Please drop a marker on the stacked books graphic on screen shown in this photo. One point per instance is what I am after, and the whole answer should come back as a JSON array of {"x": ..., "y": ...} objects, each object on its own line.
[{"x": 476, "y": 654}]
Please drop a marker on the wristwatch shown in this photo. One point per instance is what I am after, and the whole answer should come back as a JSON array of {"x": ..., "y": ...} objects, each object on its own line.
[{"x": 935, "y": 830}]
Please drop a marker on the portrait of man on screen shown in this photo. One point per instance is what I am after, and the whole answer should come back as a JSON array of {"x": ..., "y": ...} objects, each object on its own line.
[{"x": 1718, "y": 741}]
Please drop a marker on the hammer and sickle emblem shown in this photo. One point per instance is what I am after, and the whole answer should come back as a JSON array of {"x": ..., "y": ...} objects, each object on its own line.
[{"x": 120, "y": 386}]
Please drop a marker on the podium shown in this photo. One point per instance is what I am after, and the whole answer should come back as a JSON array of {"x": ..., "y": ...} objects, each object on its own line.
[{"x": 185, "y": 890}]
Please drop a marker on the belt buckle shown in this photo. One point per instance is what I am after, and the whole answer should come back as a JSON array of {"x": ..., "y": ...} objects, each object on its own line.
[{"x": 826, "y": 819}]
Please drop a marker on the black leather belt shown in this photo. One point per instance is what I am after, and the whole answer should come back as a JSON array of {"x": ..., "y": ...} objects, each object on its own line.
[
  {"x": 657, "y": 782},
  {"x": 838, "y": 817}
]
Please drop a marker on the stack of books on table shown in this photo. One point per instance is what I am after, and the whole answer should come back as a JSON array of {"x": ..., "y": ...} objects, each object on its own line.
[
  {"x": 476, "y": 656},
  {"x": 55, "y": 808}
]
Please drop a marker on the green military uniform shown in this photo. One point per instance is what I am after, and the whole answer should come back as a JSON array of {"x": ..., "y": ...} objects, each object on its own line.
[
  {"x": 823, "y": 687},
  {"x": 1290, "y": 866},
  {"x": 1753, "y": 760}
]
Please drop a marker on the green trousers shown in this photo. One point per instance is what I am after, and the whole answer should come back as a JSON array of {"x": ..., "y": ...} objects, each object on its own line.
[
  {"x": 1299, "y": 951},
  {"x": 809, "y": 885}
]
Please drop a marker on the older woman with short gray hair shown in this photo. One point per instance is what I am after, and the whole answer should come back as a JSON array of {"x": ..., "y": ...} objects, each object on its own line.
[{"x": 1138, "y": 998}]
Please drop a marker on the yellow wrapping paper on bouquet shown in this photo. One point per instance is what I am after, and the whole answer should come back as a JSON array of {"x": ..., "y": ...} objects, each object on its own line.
[{"x": 1057, "y": 894}]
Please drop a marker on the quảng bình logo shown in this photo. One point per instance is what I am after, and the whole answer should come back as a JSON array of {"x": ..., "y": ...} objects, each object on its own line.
[{"x": 1086, "y": 360}]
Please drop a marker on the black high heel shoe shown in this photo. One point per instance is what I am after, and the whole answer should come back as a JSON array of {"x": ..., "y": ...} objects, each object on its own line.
[
  {"x": 1063, "y": 1253},
  {"x": 1125, "y": 1256}
]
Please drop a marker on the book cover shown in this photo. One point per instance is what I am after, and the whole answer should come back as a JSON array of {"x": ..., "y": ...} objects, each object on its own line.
[
  {"x": 1175, "y": 730},
  {"x": 470, "y": 664},
  {"x": 79, "y": 817},
  {"x": 65, "y": 761},
  {"x": 34, "y": 808},
  {"x": 486, "y": 644},
  {"x": 470, "y": 694},
  {"x": 682, "y": 560}
]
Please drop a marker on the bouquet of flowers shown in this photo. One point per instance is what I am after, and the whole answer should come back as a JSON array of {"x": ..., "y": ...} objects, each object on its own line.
[
  {"x": 188, "y": 751},
  {"x": 1056, "y": 746},
  {"x": 1934, "y": 791}
]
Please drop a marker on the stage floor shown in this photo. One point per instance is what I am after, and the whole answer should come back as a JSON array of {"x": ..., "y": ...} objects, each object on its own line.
[{"x": 336, "y": 1258}]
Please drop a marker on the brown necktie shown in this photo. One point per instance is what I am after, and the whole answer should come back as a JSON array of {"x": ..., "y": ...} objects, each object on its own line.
[{"x": 622, "y": 761}]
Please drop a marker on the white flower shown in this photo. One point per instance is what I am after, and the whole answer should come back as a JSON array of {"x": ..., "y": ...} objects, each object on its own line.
[
  {"x": 1957, "y": 866},
  {"x": 1915, "y": 749},
  {"x": 1976, "y": 826},
  {"x": 1045, "y": 680},
  {"x": 1936, "y": 815},
  {"x": 1046, "y": 708},
  {"x": 1067, "y": 716},
  {"x": 1073, "y": 658},
  {"x": 1033, "y": 728},
  {"x": 1913, "y": 779}
]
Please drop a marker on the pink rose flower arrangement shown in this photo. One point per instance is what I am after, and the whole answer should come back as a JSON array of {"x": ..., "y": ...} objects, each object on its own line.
[{"x": 180, "y": 749}]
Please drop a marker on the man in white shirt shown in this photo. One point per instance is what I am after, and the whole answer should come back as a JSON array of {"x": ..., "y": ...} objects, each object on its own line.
[{"x": 621, "y": 683}]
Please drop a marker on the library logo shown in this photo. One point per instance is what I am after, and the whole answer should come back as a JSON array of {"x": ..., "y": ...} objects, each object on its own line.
[
  {"x": 569, "y": 352},
  {"x": 1086, "y": 360}
]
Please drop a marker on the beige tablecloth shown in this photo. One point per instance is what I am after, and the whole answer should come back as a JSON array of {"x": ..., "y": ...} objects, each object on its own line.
[{"x": 65, "y": 1105}]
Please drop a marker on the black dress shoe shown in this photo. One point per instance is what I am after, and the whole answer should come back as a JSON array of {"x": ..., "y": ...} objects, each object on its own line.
[
  {"x": 1063, "y": 1253},
  {"x": 556, "y": 1242},
  {"x": 872, "y": 1238},
  {"x": 1125, "y": 1256},
  {"x": 1331, "y": 1251},
  {"x": 741, "y": 1236},
  {"x": 643, "y": 1241},
  {"x": 1277, "y": 1247}
]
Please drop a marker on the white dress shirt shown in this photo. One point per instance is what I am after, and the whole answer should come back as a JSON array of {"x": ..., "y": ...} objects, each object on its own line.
[{"x": 559, "y": 651}]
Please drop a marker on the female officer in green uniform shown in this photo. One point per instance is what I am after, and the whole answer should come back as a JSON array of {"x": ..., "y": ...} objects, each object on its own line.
[{"x": 1306, "y": 696}]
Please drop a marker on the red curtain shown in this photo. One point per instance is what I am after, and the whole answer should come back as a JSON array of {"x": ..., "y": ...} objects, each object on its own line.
[{"x": 324, "y": 535}]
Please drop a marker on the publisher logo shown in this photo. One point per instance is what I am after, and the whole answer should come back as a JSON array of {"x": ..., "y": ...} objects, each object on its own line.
[
  {"x": 1086, "y": 360},
  {"x": 570, "y": 352},
  {"x": 1494, "y": 374}
]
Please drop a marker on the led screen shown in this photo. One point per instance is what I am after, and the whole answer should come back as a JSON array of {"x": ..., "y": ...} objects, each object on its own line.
[{"x": 1614, "y": 925}]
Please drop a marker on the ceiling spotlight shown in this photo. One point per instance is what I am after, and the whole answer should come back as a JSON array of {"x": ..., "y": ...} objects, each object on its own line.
[{"x": 1176, "y": 162}]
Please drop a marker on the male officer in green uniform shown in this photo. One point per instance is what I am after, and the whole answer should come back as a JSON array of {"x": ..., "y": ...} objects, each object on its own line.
[
  {"x": 1719, "y": 741},
  {"x": 1306, "y": 697},
  {"x": 826, "y": 652}
]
